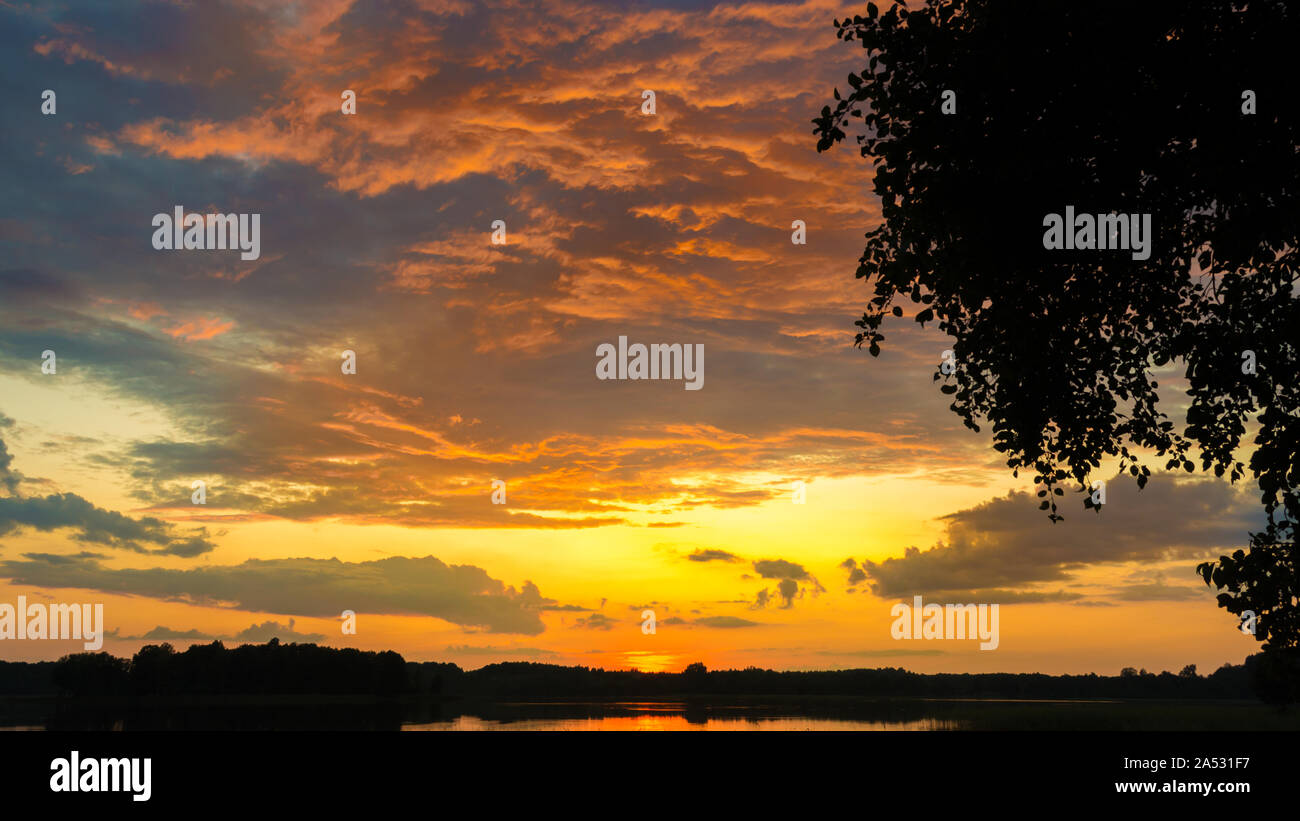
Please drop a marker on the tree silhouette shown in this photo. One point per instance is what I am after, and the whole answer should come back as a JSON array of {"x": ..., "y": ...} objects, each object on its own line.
[
  {"x": 213, "y": 670},
  {"x": 91, "y": 674},
  {"x": 1181, "y": 109},
  {"x": 695, "y": 677}
]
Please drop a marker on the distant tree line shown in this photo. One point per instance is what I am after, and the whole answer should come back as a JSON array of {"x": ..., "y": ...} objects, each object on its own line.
[
  {"x": 211, "y": 669},
  {"x": 531, "y": 680},
  {"x": 309, "y": 669}
]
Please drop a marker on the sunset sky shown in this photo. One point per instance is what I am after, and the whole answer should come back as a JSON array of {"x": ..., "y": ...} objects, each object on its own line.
[{"x": 372, "y": 492}]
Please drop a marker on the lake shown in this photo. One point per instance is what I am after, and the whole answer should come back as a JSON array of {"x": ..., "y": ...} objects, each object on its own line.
[{"x": 744, "y": 713}]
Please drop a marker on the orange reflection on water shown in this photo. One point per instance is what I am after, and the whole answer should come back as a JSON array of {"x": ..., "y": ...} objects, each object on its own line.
[{"x": 677, "y": 721}]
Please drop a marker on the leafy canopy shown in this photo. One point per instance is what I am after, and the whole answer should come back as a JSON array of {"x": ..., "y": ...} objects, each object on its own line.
[{"x": 1111, "y": 107}]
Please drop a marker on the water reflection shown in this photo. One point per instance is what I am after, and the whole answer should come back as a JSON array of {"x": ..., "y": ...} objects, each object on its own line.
[
  {"x": 677, "y": 721},
  {"x": 686, "y": 715},
  {"x": 290, "y": 713},
  {"x": 777, "y": 713}
]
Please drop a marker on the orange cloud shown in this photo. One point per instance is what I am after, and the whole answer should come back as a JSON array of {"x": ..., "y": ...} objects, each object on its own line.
[{"x": 199, "y": 329}]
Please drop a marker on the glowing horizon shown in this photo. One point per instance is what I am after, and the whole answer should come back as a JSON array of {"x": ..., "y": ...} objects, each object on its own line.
[{"x": 478, "y": 362}]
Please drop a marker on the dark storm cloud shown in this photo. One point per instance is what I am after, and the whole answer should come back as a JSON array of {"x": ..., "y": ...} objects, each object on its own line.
[
  {"x": 253, "y": 634},
  {"x": 1009, "y": 542},
  {"x": 780, "y": 569},
  {"x": 95, "y": 525},
  {"x": 267, "y": 630},
  {"x": 319, "y": 588},
  {"x": 1004, "y": 596},
  {"x": 9, "y": 478},
  {"x": 712, "y": 555},
  {"x": 91, "y": 524},
  {"x": 788, "y": 588},
  {"x": 161, "y": 633},
  {"x": 595, "y": 621},
  {"x": 725, "y": 622}
]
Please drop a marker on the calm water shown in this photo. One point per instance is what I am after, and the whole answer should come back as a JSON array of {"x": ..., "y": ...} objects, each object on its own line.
[
  {"x": 754, "y": 713},
  {"x": 661, "y": 720},
  {"x": 670, "y": 722}
]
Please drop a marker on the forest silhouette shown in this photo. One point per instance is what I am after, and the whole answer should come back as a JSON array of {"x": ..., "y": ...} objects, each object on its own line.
[{"x": 308, "y": 669}]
